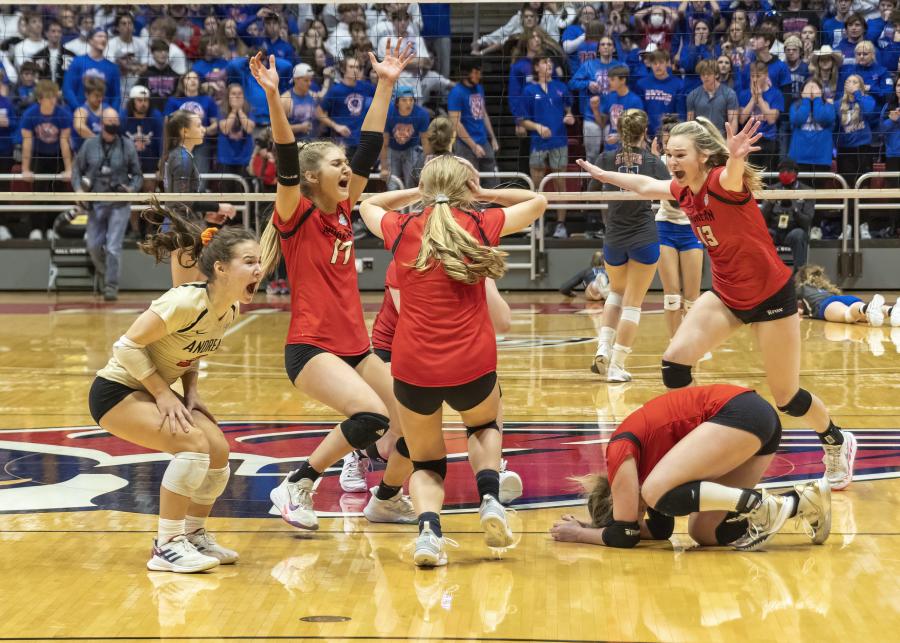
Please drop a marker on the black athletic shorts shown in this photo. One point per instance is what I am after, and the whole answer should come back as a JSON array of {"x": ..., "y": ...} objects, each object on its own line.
[
  {"x": 782, "y": 304},
  {"x": 383, "y": 354},
  {"x": 296, "y": 356},
  {"x": 425, "y": 400},
  {"x": 749, "y": 412},
  {"x": 104, "y": 395}
]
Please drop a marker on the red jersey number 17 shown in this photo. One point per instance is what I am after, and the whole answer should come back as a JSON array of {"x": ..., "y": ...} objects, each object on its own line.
[{"x": 707, "y": 237}]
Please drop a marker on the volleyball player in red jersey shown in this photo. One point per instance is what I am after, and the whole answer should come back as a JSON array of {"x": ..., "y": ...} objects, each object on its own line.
[
  {"x": 383, "y": 336},
  {"x": 327, "y": 354},
  {"x": 713, "y": 185},
  {"x": 698, "y": 452},
  {"x": 444, "y": 348}
]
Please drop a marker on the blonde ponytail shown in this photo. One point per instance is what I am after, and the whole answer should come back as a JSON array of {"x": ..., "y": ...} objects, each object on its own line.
[
  {"x": 270, "y": 247},
  {"x": 708, "y": 140}
]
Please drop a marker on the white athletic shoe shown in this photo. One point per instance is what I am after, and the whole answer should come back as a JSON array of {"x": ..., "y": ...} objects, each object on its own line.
[
  {"x": 601, "y": 358},
  {"x": 875, "y": 312},
  {"x": 398, "y": 509},
  {"x": 895, "y": 314},
  {"x": 510, "y": 484},
  {"x": 206, "y": 544},
  {"x": 353, "y": 473},
  {"x": 179, "y": 556},
  {"x": 493, "y": 522},
  {"x": 294, "y": 501},
  {"x": 430, "y": 549},
  {"x": 839, "y": 461},
  {"x": 617, "y": 374},
  {"x": 814, "y": 511},
  {"x": 765, "y": 521}
]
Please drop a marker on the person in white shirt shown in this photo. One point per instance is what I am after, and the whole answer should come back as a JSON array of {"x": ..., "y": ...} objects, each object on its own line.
[
  {"x": 34, "y": 39},
  {"x": 127, "y": 43},
  {"x": 401, "y": 29}
]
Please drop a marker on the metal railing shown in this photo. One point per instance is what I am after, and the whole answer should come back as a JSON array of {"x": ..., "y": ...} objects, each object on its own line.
[
  {"x": 855, "y": 262},
  {"x": 535, "y": 245}
]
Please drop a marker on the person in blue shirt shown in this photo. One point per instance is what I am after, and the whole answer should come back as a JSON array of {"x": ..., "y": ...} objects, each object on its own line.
[
  {"x": 401, "y": 154},
  {"x": 546, "y": 109},
  {"x": 345, "y": 105},
  {"x": 300, "y": 103},
  {"x": 143, "y": 126},
  {"x": 238, "y": 71},
  {"x": 591, "y": 81},
  {"x": 188, "y": 98},
  {"x": 475, "y": 140},
  {"x": 780, "y": 77},
  {"x": 890, "y": 128},
  {"x": 46, "y": 129},
  {"x": 619, "y": 100},
  {"x": 22, "y": 92},
  {"x": 661, "y": 92},
  {"x": 211, "y": 68},
  {"x": 855, "y": 30},
  {"x": 235, "y": 144},
  {"x": 854, "y": 140},
  {"x": 87, "y": 119},
  {"x": 881, "y": 27},
  {"x": 436, "y": 32},
  {"x": 889, "y": 48},
  {"x": 700, "y": 47},
  {"x": 93, "y": 64},
  {"x": 272, "y": 44},
  {"x": 574, "y": 35},
  {"x": 9, "y": 134},
  {"x": 833, "y": 27},
  {"x": 878, "y": 82},
  {"x": 764, "y": 102},
  {"x": 812, "y": 123}
]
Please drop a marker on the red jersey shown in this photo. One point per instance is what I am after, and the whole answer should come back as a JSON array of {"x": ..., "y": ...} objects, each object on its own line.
[
  {"x": 326, "y": 310},
  {"x": 386, "y": 319},
  {"x": 746, "y": 269},
  {"x": 444, "y": 334},
  {"x": 649, "y": 433}
]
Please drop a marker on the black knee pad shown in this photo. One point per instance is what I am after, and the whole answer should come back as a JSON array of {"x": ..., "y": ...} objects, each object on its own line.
[
  {"x": 472, "y": 430},
  {"x": 731, "y": 528},
  {"x": 799, "y": 404},
  {"x": 401, "y": 447},
  {"x": 437, "y": 466},
  {"x": 621, "y": 534},
  {"x": 676, "y": 375},
  {"x": 364, "y": 429},
  {"x": 660, "y": 525},
  {"x": 680, "y": 501}
]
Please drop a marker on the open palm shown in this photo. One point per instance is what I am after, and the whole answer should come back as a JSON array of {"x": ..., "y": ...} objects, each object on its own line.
[
  {"x": 396, "y": 59},
  {"x": 742, "y": 144},
  {"x": 267, "y": 77},
  {"x": 592, "y": 169}
]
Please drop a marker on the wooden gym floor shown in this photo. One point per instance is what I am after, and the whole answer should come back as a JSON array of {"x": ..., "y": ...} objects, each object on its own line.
[{"x": 76, "y": 505}]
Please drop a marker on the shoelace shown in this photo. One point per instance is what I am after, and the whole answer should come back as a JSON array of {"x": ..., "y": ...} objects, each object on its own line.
[
  {"x": 300, "y": 496},
  {"x": 802, "y": 523},
  {"x": 833, "y": 461}
]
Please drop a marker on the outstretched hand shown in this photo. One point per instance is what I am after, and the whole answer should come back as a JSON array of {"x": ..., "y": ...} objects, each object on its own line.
[
  {"x": 742, "y": 144},
  {"x": 267, "y": 77},
  {"x": 593, "y": 170},
  {"x": 396, "y": 58}
]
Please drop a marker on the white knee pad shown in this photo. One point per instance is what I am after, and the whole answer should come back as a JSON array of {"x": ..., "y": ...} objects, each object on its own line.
[
  {"x": 186, "y": 472},
  {"x": 212, "y": 486},
  {"x": 672, "y": 302},
  {"x": 614, "y": 299},
  {"x": 632, "y": 314},
  {"x": 688, "y": 304}
]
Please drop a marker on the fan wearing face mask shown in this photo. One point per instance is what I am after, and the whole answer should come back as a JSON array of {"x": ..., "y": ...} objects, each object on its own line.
[{"x": 789, "y": 219}]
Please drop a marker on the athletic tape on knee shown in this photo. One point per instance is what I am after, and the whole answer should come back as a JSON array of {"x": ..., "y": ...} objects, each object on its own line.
[
  {"x": 364, "y": 429},
  {"x": 671, "y": 302},
  {"x": 732, "y": 527},
  {"x": 680, "y": 501},
  {"x": 688, "y": 304},
  {"x": 437, "y": 466},
  {"x": 472, "y": 430},
  {"x": 676, "y": 375},
  {"x": 212, "y": 486},
  {"x": 402, "y": 448},
  {"x": 186, "y": 472},
  {"x": 632, "y": 314},
  {"x": 799, "y": 404},
  {"x": 613, "y": 299}
]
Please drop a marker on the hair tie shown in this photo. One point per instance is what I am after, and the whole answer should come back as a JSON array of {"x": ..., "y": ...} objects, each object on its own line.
[
  {"x": 207, "y": 235},
  {"x": 442, "y": 198}
]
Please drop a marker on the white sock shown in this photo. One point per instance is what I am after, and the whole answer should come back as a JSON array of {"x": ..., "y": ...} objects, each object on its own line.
[
  {"x": 168, "y": 529},
  {"x": 606, "y": 336},
  {"x": 618, "y": 356},
  {"x": 193, "y": 523}
]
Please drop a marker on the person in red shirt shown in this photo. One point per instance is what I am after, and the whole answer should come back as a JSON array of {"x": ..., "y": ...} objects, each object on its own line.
[
  {"x": 713, "y": 185},
  {"x": 444, "y": 348},
  {"x": 327, "y": 354},
  {"x": 697, "y": 452},
  {"x": 383, "y": 336}
]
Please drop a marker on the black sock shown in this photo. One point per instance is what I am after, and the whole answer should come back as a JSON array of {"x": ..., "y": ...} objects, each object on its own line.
[
  {"x": 386, "y": 491},
  {"x": 863, "y": 308},
  {"x": 305, "y": 472},
  {"x": 832, "y": 435},
  {"x": 488, "y": 482},
  {"x": 433, "y": 520},
  {"x": 796, "y": 498}
]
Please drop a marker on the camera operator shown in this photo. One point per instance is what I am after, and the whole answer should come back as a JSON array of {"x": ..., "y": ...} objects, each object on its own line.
[
  {"x": 789, "y": 219},
  {"x": 107, "y": 163}
]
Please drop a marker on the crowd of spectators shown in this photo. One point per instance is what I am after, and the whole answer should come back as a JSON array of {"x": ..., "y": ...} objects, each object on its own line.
[{"x": 819, "y": 74}]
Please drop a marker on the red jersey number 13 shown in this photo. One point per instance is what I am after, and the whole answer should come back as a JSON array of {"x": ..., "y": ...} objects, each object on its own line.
[{"x": 706, "y": 236}]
